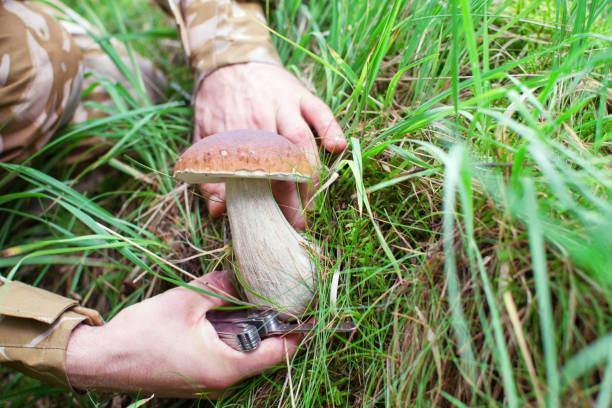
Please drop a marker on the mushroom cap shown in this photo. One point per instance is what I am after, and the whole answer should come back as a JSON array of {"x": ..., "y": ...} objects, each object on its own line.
[{"x": 242, "y": 154}]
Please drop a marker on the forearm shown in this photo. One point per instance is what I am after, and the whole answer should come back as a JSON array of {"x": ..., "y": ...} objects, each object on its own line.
[{"x": 94, "y": 362}]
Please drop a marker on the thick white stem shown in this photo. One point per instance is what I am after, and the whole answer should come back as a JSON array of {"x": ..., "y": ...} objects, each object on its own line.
[{"x": 273, "y": 263}]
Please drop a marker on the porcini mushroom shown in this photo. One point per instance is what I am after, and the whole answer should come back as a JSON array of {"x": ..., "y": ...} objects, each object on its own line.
[{"x": 274, "y": 263}]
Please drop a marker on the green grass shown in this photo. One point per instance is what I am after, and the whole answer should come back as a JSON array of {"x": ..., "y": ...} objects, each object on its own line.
[{"x": 466, "y": 229}]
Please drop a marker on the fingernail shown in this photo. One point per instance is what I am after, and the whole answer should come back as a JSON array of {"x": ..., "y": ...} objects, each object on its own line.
[{"x": 336, "y": 141}]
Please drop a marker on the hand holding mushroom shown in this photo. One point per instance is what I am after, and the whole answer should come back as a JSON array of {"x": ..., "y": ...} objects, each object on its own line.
[
  {"x": 266, "y": 97},
  {"x": 274, "y": 264}
]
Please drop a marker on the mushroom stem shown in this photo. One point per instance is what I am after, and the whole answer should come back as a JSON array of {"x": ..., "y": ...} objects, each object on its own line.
[{"x": 273, "y": 264}]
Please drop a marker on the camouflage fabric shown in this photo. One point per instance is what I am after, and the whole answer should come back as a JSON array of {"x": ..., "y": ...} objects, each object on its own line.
[
  {"x": 40, "y": 78},
  {"x": 98, "y": 64},
  {"x": 215, "y": 33},
  {"x": 41, "y": 82},
  {"x": 35, "y": 326}
]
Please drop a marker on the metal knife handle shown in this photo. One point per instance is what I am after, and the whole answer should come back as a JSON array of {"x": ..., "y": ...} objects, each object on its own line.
[
  {"x": 239, "y": 336},
  {"x": 264, "y": 321}
]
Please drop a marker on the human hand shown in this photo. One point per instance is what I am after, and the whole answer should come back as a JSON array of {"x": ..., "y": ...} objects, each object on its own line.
[
  {"x": 267, "y": 97},
  {"x": 165, "y": 346}
]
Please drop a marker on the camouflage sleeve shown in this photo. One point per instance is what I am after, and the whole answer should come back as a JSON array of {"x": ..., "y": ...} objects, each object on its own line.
[
  {"x": 35, "y": 326},
  {"x": 215, "y": 33}
]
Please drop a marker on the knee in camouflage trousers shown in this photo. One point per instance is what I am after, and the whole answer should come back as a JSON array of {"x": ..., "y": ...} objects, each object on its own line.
[{"x": 44, "y": 51}]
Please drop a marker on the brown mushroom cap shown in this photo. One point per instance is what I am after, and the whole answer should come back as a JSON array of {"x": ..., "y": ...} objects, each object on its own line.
[{"x": 242, "y": 153}]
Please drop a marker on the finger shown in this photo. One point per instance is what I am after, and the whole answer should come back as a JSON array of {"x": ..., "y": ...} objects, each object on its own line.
[
  {"x": 320, "y": 116},
  {"x": 288, "y": 200},
  {"x": 214, "y": 195},
  {"x": 291, "y": 125},
  {"x": 218, "y": 283},
  {"x": 271, "y": 352}
]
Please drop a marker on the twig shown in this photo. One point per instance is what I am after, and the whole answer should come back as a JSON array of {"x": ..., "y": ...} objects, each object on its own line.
[
  {"x": 187, "y": 212},
  {"x": 518, "y": 331},
  {"x": 131, "y": 171},
  {"x": 202, "y": 253}
]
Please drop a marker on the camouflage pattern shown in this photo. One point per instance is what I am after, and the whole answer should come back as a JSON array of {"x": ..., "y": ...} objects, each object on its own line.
[
  {"x": 41, "y": 82},
  {"x": 35, "y": 326},
  {"x": 42, "y": 61},
  {"x": 40, "y": 78},
  {"x": 98, "y": 64},
  {"x": 215, "y": 33}
]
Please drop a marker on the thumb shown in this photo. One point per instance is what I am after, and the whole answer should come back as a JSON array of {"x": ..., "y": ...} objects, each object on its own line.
[
  {"x": 214, "y": 196},
  {"x": 321, "y": 118},
  {"x": 271, "y": 352},
  {"x": 216, "y": 282}
]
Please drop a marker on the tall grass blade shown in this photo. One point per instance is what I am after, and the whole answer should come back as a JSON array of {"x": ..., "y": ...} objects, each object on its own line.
[
  {"x": 453, "y": 164},
  {"x": 542, "y": 285}
]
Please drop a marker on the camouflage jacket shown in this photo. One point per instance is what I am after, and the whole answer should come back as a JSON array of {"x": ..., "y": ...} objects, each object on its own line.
[{"x": 35, "y": 325}]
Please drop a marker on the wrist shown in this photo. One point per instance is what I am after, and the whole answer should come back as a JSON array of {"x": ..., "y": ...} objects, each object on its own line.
[
  {"x": 108, "y": 358},
  {"x": 84, "y": 356},
  {"x": 237, "y": 72}
]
